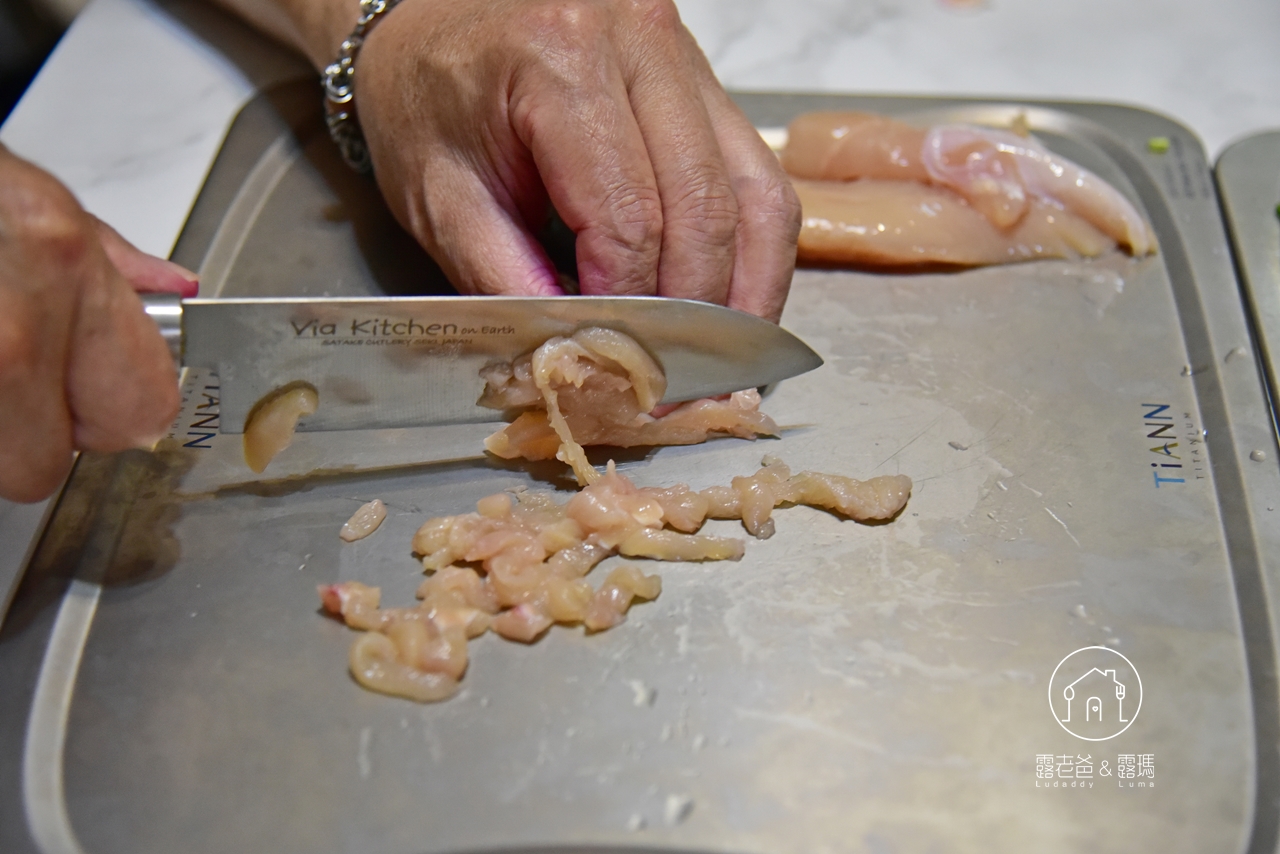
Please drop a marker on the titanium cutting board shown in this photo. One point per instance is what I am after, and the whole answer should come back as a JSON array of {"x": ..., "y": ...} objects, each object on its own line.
[
  {"x": 1248, "y": 174},
  {"x": 1094, "y": 467}
]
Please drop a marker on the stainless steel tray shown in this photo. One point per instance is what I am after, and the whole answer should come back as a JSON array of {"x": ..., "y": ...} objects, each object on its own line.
[
  {"x": 170, "y": 685},
  {"x": 1248, "y": 174}
]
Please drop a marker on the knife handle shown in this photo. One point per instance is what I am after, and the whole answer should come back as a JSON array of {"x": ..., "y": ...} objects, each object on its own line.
[{"x": 166, "y": 311}]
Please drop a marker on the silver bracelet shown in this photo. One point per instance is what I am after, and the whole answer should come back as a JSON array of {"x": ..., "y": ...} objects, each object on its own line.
[{"x": 340, "y": 93}]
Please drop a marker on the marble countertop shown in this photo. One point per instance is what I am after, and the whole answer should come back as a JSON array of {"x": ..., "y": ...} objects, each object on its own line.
[{"x": 132, "y": 106}]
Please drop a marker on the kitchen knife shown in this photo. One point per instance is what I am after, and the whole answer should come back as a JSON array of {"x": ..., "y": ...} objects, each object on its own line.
[{"x": 412, "y": 361}]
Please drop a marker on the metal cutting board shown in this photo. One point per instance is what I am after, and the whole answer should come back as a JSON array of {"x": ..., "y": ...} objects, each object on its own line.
[
  {"x": 1248, "y": 174},
  {"x": 170, "y": 686}
]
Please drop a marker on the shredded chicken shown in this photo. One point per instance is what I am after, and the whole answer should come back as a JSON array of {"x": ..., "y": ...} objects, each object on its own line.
[
  {"x": 518, "y": 565},
  {"x": 364, "y": 521},
  {"x": 599, "y": 387},
  {"x": 271, "y": 423}
]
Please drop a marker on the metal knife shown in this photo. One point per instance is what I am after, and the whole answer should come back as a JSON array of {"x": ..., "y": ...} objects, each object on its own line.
[{"x": 413, "y": 361}]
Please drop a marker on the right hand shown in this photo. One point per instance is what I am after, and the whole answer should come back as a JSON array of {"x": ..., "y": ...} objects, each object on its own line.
[{"x": 82, "y": 367}]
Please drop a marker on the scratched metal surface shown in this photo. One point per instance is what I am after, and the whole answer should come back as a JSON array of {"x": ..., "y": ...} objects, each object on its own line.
[
  {"x": 842, "y": 688},
  {"x": 1248, "y": 174}
]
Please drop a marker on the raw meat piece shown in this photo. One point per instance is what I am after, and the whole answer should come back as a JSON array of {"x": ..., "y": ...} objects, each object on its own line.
[
  {"x": 881, "y": 192},
  {"x": 364, "y": 521},
  {"x": 532, "y": 555},
  {"x": 269, "y": 428},
  {"x": 599, "y": 387}
]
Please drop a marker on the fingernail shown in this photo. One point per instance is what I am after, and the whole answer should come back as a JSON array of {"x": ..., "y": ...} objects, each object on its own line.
[
  {"x": 167, "y": 277},
  {"x": 190, "y": 284}
]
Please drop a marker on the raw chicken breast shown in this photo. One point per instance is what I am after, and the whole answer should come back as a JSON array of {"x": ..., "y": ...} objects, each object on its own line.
[
  {"x": 844, "y": 146},
  {"x": 899, "y": 195},
  {"x": 896, "y": 223}
]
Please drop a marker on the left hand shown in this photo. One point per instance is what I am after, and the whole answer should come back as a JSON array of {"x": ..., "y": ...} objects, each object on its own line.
[{"x": 481, "y": 113}]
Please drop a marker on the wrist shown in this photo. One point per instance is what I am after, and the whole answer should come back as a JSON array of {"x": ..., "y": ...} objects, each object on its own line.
[
  {"x": 339, "y": 86},
  {"x": 338, "y": 18},
  {"x": 318, "y": 27}
]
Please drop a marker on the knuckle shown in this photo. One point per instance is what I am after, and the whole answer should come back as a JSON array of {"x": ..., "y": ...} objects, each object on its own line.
[
  {"x": 660, "y": 15},
  {"x": 20, "y": 345},
  {"x": 635, "y": 221},
  {"x": 774, "y": 205},
  {"x": 709, "y": 211},
  {"x": 45, "y": 222},
  {"x": 562, "y": 46},
  {"x": 618, "y": 254},
  {"x": 571, "y": 24}
]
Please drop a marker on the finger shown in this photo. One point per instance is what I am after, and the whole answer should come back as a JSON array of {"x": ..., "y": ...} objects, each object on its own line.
[
  {"x": 699, "y": 208},
  {"x": 35, "y": 425},
  {"x": 121, "y": 384},
  {"x": 40, "y": 237},
  {"x": 145, "y": 273},
  {"x": 477, "y": 235},
  {"x": 572, "y": 112},
  {"x": 471, "y": 214},
  {"x": 768, "y": 210}
]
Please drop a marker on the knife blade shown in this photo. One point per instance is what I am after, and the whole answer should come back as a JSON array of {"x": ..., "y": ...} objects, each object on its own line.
[{"x": 414, "y": 361}]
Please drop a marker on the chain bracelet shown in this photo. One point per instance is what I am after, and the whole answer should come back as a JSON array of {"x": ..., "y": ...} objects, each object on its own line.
[{"x": 339, "y": 89}]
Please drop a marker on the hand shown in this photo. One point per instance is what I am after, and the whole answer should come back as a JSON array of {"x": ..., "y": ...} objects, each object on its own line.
[
  {"x": 480, "y": 112},
  {"x": 81, "y": 364}
]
